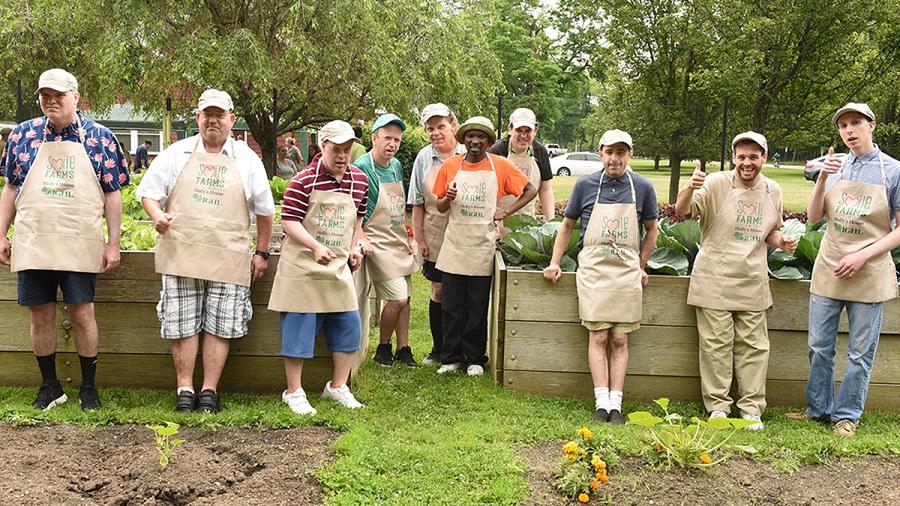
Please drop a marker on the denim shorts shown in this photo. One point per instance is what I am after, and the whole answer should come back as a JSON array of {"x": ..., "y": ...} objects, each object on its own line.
[
  {"x": 38, "y": 287},
  {"x": 298, "y": 332}
]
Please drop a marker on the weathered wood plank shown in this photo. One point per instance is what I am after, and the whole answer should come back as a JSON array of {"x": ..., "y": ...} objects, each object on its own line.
[
  {"x": 497, "y": 323},
  {"x": 242, "y": 374}
]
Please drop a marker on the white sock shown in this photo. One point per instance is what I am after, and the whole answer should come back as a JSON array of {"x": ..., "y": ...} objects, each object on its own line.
[
  {"x": 184, "y": 389},
  {"x": 601, "y": 398},
  {"x": 615, "y": 400}
]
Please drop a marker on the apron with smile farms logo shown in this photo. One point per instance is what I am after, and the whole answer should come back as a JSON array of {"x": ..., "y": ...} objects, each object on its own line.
[
  {"x": 386, "y": 231},
  {"x": 59, "y": 211},
  {"x": 527, "y": 165},
  {"x": 731, "y": 272},
  {"x": 210, "y": 233},
  {"x": 858, "y": 215}
]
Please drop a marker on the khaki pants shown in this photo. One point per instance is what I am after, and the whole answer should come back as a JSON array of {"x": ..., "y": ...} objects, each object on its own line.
[{"x": 733, "y": 341}]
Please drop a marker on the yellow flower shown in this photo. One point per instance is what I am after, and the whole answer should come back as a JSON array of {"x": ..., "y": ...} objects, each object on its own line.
[
  {"x": 604, "y": 478},
  {"x": 585, "y": 433},
  {"x": 600, "y": 474},
  {"x": 705, "y": 458},
  {"x": 570, "y": 448},
  {"x": 598, "y": 463},
  {"x": 595, "y": 484},
  {"x": 583, "y": 453},
  {"x": 583, "y": 498}
]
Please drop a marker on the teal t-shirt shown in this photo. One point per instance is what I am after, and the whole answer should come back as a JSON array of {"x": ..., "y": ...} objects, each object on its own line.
[{"x": 377, "y": 175}]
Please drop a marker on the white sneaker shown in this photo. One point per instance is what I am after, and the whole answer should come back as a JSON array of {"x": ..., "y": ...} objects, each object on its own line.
[
  {"x": 342, "y": 395},
  {"x": 449, "y": 368},
  {"x": 718, "y": 414},
  {"x": 475, "y": 370},
  {"x": 756, "y": 418},
  {"x": 298, "y": 403}
]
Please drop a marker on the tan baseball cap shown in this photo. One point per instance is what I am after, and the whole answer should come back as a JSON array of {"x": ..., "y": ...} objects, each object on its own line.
[
  {"x": 215, "y": 98},
  {"x": 523, "y": 117},
  {"x": 611, "y": 137},
  {"x": 338, "y": 132},
  {"x": 57, "y": 79},
  {"x": 479, "y": 123},
  {"x": 432, "y": 110},
  {"x": 863, "y": 109},
  {"x": 753, "y": 137}
]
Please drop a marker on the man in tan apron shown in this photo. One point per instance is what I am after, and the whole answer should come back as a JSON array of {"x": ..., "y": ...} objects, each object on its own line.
[
  {"x": 860, "y": 197},
  {"x": 391, "y": 264},
  {"x": 740, "y": 215},
  {"x": 429, "y": 223},
  {"x": 611, "y": 266},
  {"x": 78, "y": 168},
  {"x": 469, "y": 187},
  {"x": 201, "y": 194},
  {"x": 314, "y": 290},
  {"x": 531, "y": 157}
]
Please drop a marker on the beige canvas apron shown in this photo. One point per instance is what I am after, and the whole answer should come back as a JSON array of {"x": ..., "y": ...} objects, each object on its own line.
[
  {"x": 470, "y": 242},
  {"x": 303, "y": 285},
  {"x": 434, "y": 223},
  {"x": 527, "y": 165},
  {"x": 731, "y": 271},
  {"x": 210, "y": 233},
  {"x": 858, "y": 215},
  {"x": 59, "y": 211},
  {"x": 609, "y": 265},
  {"x": 386, "y": 231}
]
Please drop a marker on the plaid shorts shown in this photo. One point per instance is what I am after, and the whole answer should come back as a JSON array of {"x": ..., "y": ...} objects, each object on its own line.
[{"x": 187, "y": 306}]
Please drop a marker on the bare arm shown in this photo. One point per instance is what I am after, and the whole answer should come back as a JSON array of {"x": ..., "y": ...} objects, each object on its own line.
[
  {"x": 161, "y": 219},
  {"x": 815, "y": 207},
  {"x": 112, "y": 210},
  {"x": 548, "y": 201},
  {"x": 258, "y": 264},
  {"x": 418, "y": 224},
  {"x": 7, "y": 214},
  {"x": 553, "y": 271}
]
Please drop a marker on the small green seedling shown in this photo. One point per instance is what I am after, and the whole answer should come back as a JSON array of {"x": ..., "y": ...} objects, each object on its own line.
[{"x": 165, "y": 444}]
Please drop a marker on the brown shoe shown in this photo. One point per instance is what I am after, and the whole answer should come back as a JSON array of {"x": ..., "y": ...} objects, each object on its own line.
[
  {"x": 803, "y": 417},
  {"x": 845, "y": 428}
]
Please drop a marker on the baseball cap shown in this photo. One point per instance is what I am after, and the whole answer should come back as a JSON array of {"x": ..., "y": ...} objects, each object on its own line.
[
  {"x": 57, "y": 79},
  {"x": 432, "y": 110},
  {"x": 337, "y": 131},
  {"x": 611, "y": 137},
  {"x": 753, "y": 137},
  {"x": 387, "y": 119},
  {"x": 215, "y": 98},
  {"x": 863, "y": 109},
  {"x": 523, "y": 117},
  {"x": 479, "y": 123}
]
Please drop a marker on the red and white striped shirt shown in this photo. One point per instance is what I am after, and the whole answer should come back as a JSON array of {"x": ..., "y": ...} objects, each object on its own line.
[{"x": 296, "y": 195}]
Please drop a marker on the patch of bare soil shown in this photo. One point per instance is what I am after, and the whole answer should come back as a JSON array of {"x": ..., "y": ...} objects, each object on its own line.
[
  {"x": 62, "y": 464},
  {"x": 738, "y": 481}
]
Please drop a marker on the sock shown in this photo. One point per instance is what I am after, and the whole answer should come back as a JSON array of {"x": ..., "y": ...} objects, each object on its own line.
[
  {"x": 436, "y": 321},
  {"x": 601, "y": 398},
  {"x": 184, "y": 389},
  {"x": 47, "y": 365},
  {"x": 88, "y": 370},
  {"x": 615, "y": 400}
]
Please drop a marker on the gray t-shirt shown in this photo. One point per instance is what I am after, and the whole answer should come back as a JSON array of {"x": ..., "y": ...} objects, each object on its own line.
[
  {"x": 425, "y": 160},
  {"x": 614, "y": 191},
  {"x": 867, "y": 169}
]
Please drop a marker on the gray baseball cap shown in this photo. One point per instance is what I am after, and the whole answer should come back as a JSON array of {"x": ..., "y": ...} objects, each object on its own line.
[
  {"x": 753, "y": 137},
  {"x": 861, "y": 108}
]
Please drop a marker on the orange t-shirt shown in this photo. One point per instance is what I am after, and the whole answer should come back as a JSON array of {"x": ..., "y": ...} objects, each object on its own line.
[{"x": 510, "y": 180}]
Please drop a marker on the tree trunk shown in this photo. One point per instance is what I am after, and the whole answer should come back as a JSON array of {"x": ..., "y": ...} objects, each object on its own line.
[
  {"x": 703, "y": 164},
  {"x": 675, "y": 175},
  {"x": 656, "y": 162},
  {"x": 263, "y": 131}
]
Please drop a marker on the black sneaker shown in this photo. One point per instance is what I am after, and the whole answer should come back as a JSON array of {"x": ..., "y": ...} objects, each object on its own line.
[
  {"x": 404, "y": 355},
  {"x": 616, "y": 417},
  {"x": 208, "y": 401},
  {"x": 88, "y": 397},
  {"x": 433, "y": 358},
  {"x": 600, "y": 415},
  {"x": 185, "y": 401},
  {"x": 383, "y": 355},
  {"x": 49, "y": 396}
]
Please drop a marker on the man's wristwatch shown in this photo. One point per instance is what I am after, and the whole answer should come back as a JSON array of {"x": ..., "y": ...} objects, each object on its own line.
[{"x": 263, "y": 254}]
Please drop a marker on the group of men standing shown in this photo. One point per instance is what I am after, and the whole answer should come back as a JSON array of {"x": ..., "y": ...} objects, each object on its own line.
[{"x": 345, "y": 227}]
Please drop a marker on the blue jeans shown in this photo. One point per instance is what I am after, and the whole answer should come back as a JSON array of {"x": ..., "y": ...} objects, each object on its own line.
[{"x": 865, "y": 327}]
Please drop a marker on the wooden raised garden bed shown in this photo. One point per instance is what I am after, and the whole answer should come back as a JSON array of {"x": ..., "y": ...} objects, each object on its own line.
[{"x": 537, "y": 343}]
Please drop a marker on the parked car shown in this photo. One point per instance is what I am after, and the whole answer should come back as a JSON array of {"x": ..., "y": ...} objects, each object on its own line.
[
  {"x": 555, "y": 150},
  {"x": 576, "y": 164},
  {"x": 814, "y": 166}
]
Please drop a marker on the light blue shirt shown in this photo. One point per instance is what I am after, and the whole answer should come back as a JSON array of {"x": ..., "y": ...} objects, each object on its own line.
[
  {"x": 867, "y": 169},
  {"x": 425, "y": 160}
]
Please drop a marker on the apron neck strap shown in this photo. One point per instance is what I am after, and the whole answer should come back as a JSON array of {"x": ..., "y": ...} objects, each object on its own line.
[
  {"x": 630, "y": 182},
  {"x": 78, "y": 131},
  {"x": 231, "y": 153}
]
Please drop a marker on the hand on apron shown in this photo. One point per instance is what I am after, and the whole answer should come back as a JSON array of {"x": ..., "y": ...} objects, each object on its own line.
[
  {"x": 323, "y": 255},
  {"x": 355, "y": 258},
  {"x": 5, "y": 251},
  {"x": 850, "y": 264},
  {"x": 365, "y": 247}
]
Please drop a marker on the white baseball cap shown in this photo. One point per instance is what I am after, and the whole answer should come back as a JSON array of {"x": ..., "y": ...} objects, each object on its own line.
[
  {"x": 338, "y": 132},
  {"x": 752, "y": 137},
  {"x": 438, "y": 109},
  {"x": 863, "y": 109},
  {"x": 215, "y": 98},
  {"x": 523, "y": 117},
  {"x": 57, "y": 79},
  {"x": 611, "y": 137}
]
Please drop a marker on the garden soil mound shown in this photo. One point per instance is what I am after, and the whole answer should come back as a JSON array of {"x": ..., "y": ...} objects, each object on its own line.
[
  {"x": 738, "y": 481},
  {"x": 119, "y": 465}
]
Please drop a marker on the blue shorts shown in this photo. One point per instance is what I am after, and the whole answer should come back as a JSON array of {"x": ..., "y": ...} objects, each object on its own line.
[
  {"x": 299, "y": 330},
  {"x": 431, "y": 272},
  {"x": 38, "y": 287}
]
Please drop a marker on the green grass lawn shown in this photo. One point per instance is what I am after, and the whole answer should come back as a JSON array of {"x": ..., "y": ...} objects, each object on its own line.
[
  {"x": 429, "y": 439},
  {"x": 795, "y": 189}
]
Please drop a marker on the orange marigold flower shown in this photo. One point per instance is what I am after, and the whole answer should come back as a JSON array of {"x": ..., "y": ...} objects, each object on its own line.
[
  {"x": 604, "y": 478},
  {"x": 585, "y": 433},
  {"x": 599, "y": 474},
  {"x": 595, "y": 484},
  {"x": 659, "y": 448},
  {"x": 583, "y": 498},
  {"x": 705, "y": 458},
  {"x": 570, "y": 448}
]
